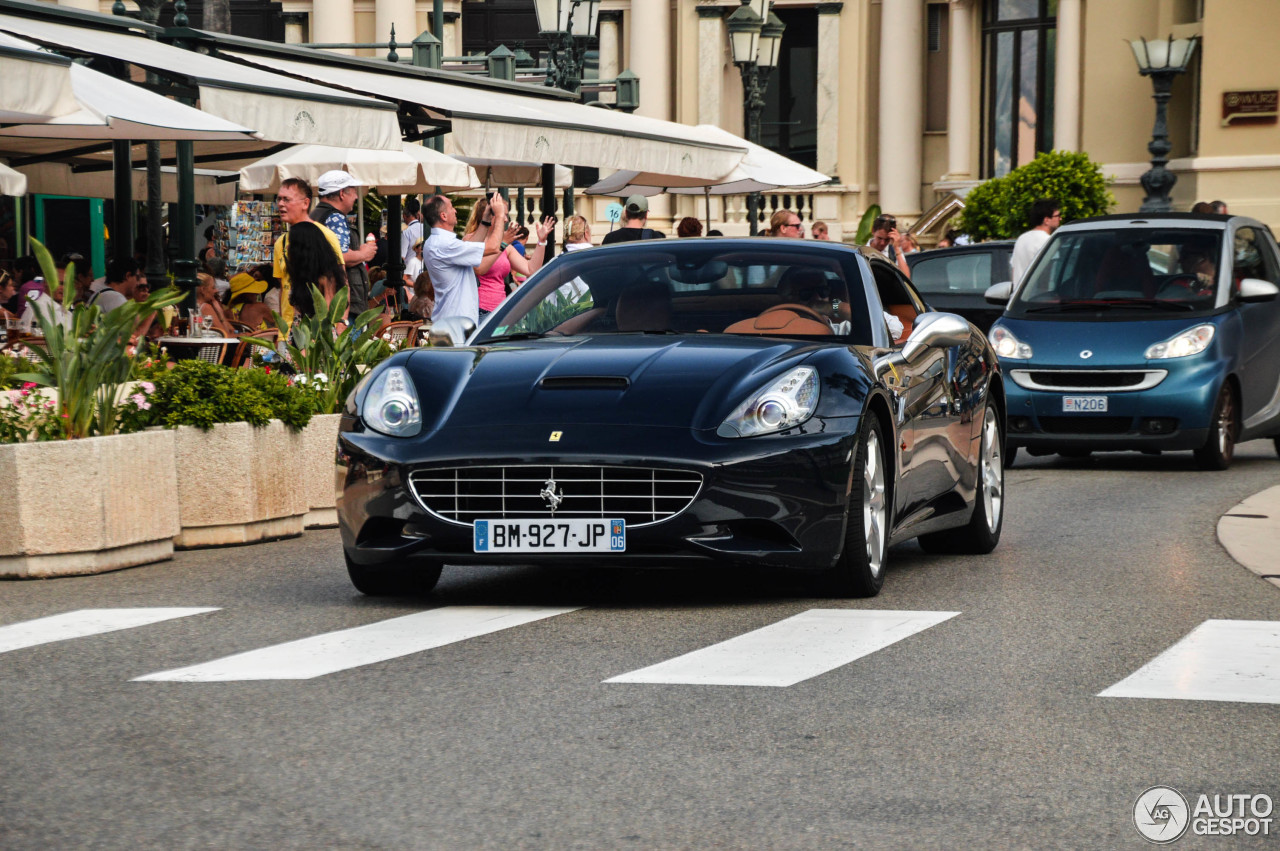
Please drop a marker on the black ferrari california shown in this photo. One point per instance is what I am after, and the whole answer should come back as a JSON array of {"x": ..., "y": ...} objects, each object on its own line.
[{"x": 704, "y": 402}]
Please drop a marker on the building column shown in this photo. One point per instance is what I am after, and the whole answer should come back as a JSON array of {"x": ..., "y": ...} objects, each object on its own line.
[
  {"x": 82, "y": 5},
  {"x": 452, "y": 41},
  {"x": 712, "y": 44},
  {"x": 649, "y": 36},
  {"x": 333, "y": 22},
  {"x": 1066, "y": 77},
  {"x": 295, "y": 28},
  {"x": 901, "y": 115},
  {"x": 960, "y": 90},
  {"x": 401, "y": 14},
  {"x": 610, "y": 50},
  {"x": 828, "y": 86}
]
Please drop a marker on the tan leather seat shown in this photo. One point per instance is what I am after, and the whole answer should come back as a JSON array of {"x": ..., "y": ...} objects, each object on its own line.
[
  {"x": 906, "y": 315},
  {"x": 784, "y": 320}
]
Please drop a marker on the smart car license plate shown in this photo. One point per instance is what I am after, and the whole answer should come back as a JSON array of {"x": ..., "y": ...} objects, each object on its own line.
[
  {"x": 550, "y": 536},
  {"x": 1084, "y": 404}
]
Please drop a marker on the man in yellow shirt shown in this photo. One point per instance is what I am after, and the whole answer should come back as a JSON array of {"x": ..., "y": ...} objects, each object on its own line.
[{"x": 293, "y": 202}]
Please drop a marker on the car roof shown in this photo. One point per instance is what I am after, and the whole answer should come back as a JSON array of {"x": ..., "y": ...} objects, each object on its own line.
[
  {"x": 972, "y": 248},
  {"x": 1200, "y": 221}
]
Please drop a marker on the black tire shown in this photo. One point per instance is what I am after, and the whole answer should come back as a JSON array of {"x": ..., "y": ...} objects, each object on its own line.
[
  {"x": 859, "y": 572},
  {"x": 982, "y": 533},
  {"x": 1224, "y": 428},
  {"x": 415, "y": 579}
]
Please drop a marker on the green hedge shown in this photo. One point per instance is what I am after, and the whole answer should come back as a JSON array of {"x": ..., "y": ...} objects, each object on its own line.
[
  {"x": 998, "y": 208},
  {"x": 203, "y": 394}
]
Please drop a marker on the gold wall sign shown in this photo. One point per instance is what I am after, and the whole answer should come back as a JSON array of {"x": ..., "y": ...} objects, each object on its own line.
[{"x": 1257, "y": 107}]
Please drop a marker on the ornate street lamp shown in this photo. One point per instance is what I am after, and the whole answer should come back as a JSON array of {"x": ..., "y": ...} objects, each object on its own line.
[
  {"x": 755, "y": 40},
  {"x": 568, "y": 25},
  {"x": 1162, "y": 61}
]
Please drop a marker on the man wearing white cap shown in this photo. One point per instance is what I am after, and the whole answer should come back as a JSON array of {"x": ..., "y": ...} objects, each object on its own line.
[{"x": 338, "y": 197}]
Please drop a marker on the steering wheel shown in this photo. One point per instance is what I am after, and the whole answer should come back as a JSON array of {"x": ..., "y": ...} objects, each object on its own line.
[{"x": 1185, "y": 285}]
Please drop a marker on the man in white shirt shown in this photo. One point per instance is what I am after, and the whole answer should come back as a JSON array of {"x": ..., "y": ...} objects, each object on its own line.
[
  {"x": 1045, "y": 218},
  {"x": 411, "y": 215},
  {"x": 451, "y": 262},
  {"x": 122, "y": 279}
]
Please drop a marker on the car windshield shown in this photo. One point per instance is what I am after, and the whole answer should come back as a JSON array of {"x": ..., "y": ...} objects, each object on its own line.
[
  {"x": 1128, "y": 272},
  {"x": 691, "y": 287}
]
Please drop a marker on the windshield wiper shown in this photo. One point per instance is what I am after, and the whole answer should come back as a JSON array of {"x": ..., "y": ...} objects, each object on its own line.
[
  {"x": 1112, "y": 304},
  {"x": 523, "y": 335}
]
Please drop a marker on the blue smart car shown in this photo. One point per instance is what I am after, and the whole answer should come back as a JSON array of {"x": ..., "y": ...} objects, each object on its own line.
[{"x": 1144, "y": 332}]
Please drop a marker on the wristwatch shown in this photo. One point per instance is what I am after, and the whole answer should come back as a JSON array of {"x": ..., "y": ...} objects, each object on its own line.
[{"x": 487, "y": 224}]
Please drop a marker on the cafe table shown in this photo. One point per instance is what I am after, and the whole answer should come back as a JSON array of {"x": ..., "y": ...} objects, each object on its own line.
[{"x": 208, "y": 349}]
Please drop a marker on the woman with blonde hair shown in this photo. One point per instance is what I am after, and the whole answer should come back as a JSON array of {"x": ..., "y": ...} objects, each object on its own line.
[
  {"x": 577, "y": 233},
  {"x": 493, "y": 270},
  {"x": 786, "y": 223},
  {"x": 211, "y": 306}
]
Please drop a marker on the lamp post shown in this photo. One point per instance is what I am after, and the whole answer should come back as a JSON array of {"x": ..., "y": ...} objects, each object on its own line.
[
  {"x": 1162, "y": 61},
  {"x": 568, "y": 25},
  {"x": 755, "y": 39}
]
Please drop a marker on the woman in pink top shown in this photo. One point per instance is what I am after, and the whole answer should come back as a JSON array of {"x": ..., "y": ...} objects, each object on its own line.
[{"x": 492, "y": 273}]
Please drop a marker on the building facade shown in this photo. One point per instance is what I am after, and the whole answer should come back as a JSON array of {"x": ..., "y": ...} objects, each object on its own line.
[{"x": 905, "y": 101}]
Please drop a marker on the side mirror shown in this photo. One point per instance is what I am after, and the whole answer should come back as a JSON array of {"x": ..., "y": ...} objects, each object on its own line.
[
  {"x": 999, "y": 293},
  {"x": 451, "y": 331},
  {"x": 1255, "y": 290},
  {"x": 935, "y": 331}
]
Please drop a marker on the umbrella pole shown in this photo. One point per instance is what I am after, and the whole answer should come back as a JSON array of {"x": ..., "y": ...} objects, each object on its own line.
[
  {"x": 706, "y": 190},
  {"x": 359, "y": 215}
]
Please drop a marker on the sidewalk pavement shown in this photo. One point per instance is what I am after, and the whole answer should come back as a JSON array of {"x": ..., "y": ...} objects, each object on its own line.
[{"x": 1251, "y": 534}]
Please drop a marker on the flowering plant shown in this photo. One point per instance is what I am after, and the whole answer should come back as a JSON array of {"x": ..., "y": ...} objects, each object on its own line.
[
  {"x": 135, "y": 412},
  {"x": 26, "y": 415}
]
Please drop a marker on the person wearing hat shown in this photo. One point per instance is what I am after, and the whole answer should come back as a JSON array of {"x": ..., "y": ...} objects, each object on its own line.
[
  {"x": 246, "y": 304},
  {"x": 338, "y": 197},
  {"x": 635, "y": 217}
]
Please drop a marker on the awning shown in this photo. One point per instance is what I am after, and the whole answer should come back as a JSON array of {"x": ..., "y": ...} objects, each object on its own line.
[
  {"x": 502, "y": 124},
  {"x": 515, "y": 175},
  {"x": 279, "y": 109},
  {"x": 411, "y": 170},
  {"x": 12, "y": 182},
  {"x": 761, "y": 170},
  {"x": 113, "y": 109},
  {"x": 211, "y": 187},
  {"x": 37, "y": 84}
]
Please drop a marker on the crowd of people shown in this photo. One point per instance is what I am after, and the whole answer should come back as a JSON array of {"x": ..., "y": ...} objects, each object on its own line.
[{"x": 443, "y": 274}]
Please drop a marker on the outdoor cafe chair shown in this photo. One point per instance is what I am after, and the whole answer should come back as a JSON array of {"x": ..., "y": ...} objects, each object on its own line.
[{"x": 404, "y": 334}]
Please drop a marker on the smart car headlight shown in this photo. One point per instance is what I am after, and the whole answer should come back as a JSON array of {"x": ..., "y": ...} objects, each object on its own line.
[
  {"x": 1008, "y": 346},
  {"x": 1192, "y": 341},
  {"x": 780, "y": 405},
  {"x": 391, "y": 405}
]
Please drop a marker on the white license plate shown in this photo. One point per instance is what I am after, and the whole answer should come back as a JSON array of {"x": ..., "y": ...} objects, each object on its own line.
[
  {"x": 550, "y": 536},
  {"x": 1084, "y": 404}
]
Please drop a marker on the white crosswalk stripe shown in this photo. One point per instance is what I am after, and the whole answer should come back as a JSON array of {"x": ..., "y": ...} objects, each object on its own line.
[
  {"x": 363, "y": 645},
  {"x": 790, "y": 651},
  {"x": 83, "y": 622},
  {"x": 1225, "y": 660}
]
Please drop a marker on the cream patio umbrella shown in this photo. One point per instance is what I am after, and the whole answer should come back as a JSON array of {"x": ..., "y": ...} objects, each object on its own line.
[
  {"x": 12, "y": 182},
  {"x": 410, "y": 170},
  {"x": 37, "y": 84}
]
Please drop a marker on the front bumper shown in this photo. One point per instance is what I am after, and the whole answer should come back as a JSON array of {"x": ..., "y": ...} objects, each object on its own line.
[
  {"x": 1174, "y": 415},
  {"x": 773, "y": 501}
]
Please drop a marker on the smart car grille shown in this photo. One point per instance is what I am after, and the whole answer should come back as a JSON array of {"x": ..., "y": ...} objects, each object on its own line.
[
  {"x": 1086, "y": 425},
  {"x": 1111, "y": 380},
  {"x": 639, "y": 495}
]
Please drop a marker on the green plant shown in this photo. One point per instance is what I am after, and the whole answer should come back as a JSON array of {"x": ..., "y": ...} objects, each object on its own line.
[
  {"x": 203, "y": 394},
  {"x": 998, "y": 208},
  {"x": 25, "y": 414},
  {"x": 864, "y": 225},
  {"x": 87, "y": 361},
  {"x": 317, "y": 348},
  {"x": 10, "y": 366}
]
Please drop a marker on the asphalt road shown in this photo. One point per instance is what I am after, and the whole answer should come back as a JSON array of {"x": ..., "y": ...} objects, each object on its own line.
[{"x": 982, "y": 731}]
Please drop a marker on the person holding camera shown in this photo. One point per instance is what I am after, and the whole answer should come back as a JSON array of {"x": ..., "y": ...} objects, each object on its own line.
[{"x": 886, "y": 239}]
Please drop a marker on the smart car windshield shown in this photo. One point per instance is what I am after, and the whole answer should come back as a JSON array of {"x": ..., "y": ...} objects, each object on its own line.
[
  {"x": 689, "y": 288},
  {"x": 1128, "y": 272}
]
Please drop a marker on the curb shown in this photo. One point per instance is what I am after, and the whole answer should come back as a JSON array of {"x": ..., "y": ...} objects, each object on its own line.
[{"x": 1250, "y": 532}]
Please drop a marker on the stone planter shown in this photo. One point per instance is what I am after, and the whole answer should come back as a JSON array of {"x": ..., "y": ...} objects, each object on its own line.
[
  {"x": 87, "y": 506},
  {"x": 319, "y": 440},
  {"x": 238, "y": 484}
]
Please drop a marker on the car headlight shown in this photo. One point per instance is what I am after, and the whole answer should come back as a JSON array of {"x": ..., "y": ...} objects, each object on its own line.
[
  {"x": 781, "y": 405},
  {"x": 1192, "y": 341},
  {"x": 391, "y": 405},
  {"x": 1008, "y": 346}
]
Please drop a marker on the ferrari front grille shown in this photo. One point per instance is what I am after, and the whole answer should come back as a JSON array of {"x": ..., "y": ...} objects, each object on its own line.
[{"x": 639, "y": 495}]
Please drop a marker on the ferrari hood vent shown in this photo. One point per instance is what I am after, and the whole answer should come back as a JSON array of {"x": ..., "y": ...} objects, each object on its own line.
[{"x": 585, "y": 382}]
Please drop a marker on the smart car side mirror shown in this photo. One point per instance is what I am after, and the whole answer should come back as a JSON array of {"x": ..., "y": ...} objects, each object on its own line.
[
  {"x": 999, "y": 293},
  {"x": 1254, "y": 290},
  {"x": 935, "y": 331},
  {"x": 451, "y": 331}
]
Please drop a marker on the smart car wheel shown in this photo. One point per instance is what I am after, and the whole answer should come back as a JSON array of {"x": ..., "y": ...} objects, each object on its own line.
[
  {"x": 859, "y": 572},
  {"x": 413, "y": 579},
  {"x": 1220, "y": 448},
  {"x": 982, "y": 532}
]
